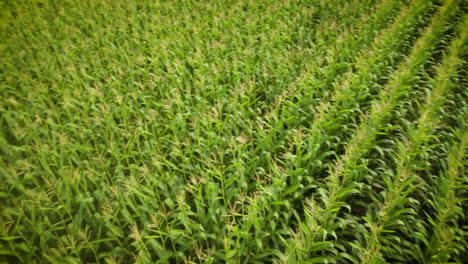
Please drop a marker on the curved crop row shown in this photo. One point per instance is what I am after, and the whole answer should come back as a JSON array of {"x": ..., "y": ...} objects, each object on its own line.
[
  {"x": 348, "y": 169},
  {"x": 404, "y": 181}
]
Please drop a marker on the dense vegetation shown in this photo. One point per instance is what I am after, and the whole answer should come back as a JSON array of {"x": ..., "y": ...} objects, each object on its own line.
[{"x": 150, "y": 131}]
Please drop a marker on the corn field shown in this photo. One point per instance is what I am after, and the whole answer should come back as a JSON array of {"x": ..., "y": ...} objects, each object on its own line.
[{"x": 153, "y": 131}]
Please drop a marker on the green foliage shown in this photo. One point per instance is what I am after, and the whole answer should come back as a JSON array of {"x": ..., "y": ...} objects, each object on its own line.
[{"x": 233, "y": 131}]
